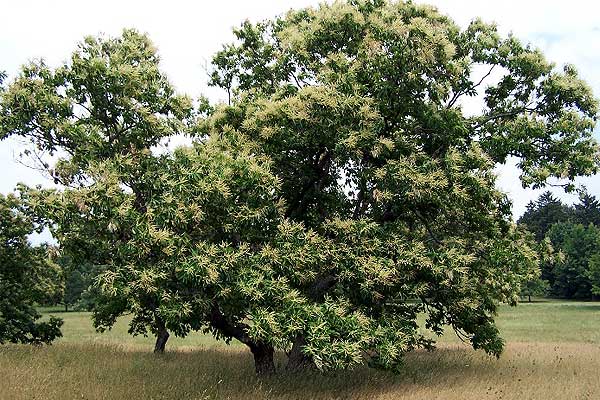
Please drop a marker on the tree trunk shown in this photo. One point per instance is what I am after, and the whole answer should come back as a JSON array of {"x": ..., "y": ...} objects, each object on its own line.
[
  {"x": 529, "y": 296},
  {"x": 297, "y": 360},
  {"x": 161, "y": 339},
  {"x": 263, "y": 358},
  {"x": 66, "y": 307},
  {"x": 263, "y": 353}
]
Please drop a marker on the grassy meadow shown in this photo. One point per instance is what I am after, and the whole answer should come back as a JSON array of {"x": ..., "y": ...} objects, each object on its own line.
[{"x": 552, "y": 352}]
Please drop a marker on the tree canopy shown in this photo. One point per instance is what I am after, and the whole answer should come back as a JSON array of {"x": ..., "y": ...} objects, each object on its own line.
[
  {"x": 343, "y": 191},
  {"x": 359, "y": 106}
]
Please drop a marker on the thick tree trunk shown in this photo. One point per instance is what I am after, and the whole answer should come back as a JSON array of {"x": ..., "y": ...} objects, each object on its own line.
[
  {"x": 263, "y": 353},
  {"x": 161, "y": 339},
  {"x": 263, "y": 358},
  {"x": 297, "y": 360}
]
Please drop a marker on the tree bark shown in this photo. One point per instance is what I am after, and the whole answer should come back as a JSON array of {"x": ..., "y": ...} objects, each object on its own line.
[
  {"x": 297, "y": 360},
  {"x": 262, "y": 352},
  {"x": 263, "y": 358},
  {"x": 161, "y": 338}
]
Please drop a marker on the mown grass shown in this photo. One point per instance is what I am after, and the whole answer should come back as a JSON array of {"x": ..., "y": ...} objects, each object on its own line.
[
  {"x": 77, "y": 328},
  {"x": 553, "y": 352}
]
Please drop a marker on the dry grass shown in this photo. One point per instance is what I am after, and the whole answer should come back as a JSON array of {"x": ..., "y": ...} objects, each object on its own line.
[
  {"x": 100, "y": 371},
  {"x": 553, "y": 353}
]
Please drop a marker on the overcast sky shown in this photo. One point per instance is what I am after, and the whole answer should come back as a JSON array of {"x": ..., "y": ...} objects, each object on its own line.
[{"x": 187, "y": 33}]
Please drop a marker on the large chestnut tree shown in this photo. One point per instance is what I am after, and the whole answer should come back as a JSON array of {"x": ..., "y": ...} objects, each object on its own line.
[{"x": 385, "y": 121}]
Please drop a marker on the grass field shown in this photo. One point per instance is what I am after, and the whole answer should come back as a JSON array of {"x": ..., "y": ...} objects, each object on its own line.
[{"x": 553, "y": 352}]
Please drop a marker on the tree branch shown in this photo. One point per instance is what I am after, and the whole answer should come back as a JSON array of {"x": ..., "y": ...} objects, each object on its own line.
[{"x": 475, "y": 86}]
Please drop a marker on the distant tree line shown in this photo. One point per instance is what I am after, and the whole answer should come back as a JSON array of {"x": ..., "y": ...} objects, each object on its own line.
[{"x": 573, "y": 232}]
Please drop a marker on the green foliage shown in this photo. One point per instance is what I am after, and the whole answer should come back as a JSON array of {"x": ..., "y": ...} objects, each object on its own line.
[
  {"x": 587, "y": 210},
  {"x": 79, "y": 292},
  {"x": 359, "y": 107},
  {"x": 569, "y": 263},
  {"x": 548, "y": 210},
  {"x": 110, "y": 99},
  {"x": 578, "y": 243},
  {"x": 103, "y": 109},
  {"x": 535, "y": 287},
  {"x": 26, "y": 276},
  {"x": 535, "y": 284},
  {"x": 593, "y": 273},
  {"x": 543, "y": 213},
  {"x": 414, "y": 65}
]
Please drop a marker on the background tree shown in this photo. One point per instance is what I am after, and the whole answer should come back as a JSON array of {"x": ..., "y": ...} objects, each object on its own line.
[
  {"x": 578, "y": 243},
  {"x": 79, "y": 279},
  {"x": 75, "y": 284},
  {"x": 587, "y": 210},
  {"x": 571, "y": 230},
  {"x": 534, "y": 287},
  {"x": 26, "y": 277},
  {"x": 543, "y": 213},
  {"x": 593, "y": 273}
]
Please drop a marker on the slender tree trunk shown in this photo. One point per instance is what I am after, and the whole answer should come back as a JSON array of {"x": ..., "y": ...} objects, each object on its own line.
[
  {"x": 66, "y": 307},
  {"x": 263, "y": 358},
  {"x": 161, "y": 338},
  {"x": 297, "y": 360},
  {"x": 529, "y": 296}
]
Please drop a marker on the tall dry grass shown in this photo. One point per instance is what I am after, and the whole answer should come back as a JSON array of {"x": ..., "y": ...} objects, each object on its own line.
[{"x": 101, "y": 371}]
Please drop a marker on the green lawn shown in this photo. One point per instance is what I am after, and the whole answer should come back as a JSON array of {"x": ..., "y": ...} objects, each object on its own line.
[
  {"x": 546, "y": 321},
  {"x": 78, "y": 328},
  {"x": 552, "y": 352},
  {"x": 550, "y": 322}
]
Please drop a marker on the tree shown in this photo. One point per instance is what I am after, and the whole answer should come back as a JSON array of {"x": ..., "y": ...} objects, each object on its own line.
[
  {"x": 359, "y": 106},
  {"x": 534, "y": 287},
  {"x": 79, "y": 278},
  {"x": 148, "y": 218},
  {"x": 543, "y": 213},
  {"x": 25, "y": 277},
  {"x": 587, "y": 210},
  {"x": 74, "y": 286},
  {"x": 535, "y": 284},
  {"x": 182, "y": 260},
  {"x": 549, "y": 216},
  {"x": 109, "y": 104},
  {"x": 578, "y": 244},
  {"x": 341, "y": 194},
  {"x": 593, "y": 273}
]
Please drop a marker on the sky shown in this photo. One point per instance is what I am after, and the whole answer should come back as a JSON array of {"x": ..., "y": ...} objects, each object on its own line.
[{"x": 188, "y": 33}]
